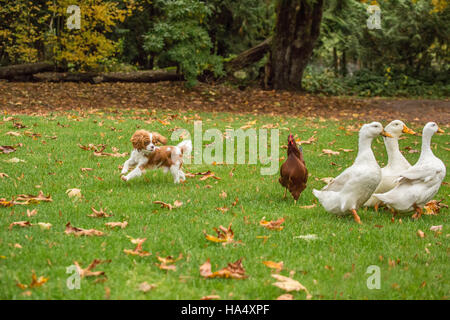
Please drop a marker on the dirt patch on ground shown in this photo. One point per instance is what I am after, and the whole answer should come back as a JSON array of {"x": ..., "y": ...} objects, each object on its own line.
[{"x": 28, "y": 97}]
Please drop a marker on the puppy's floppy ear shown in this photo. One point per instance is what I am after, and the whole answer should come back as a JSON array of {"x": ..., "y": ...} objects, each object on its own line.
[
  {"x": 159, "y": 138},
  {"x": 140, "y": 139}
]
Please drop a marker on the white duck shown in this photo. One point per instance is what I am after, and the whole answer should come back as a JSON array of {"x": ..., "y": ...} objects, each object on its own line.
[
  {"x": 396, "y": 161},
  {"x": 421, "y": 182},
  {"x": 347, "y": 192}
]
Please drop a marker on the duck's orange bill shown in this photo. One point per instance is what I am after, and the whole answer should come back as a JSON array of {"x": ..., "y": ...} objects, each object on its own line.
[
  {"x": 408, "y": 130},
  {"x": 440, "y": 130},
  {"x": 385, "y": 134}
]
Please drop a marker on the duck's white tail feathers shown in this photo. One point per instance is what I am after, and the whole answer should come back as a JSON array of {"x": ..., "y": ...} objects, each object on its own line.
[{"x": 185, "y": 146}]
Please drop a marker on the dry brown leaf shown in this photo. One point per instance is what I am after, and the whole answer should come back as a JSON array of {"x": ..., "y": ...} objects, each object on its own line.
[
  {"x": 25, "y": 199},
  {"x": 233, "y": 271},
  {"x": 7, "y": 149},
  {"x": 22, "y": 224},
  {"x": 99, "y": 213},
  {"x": 224, "y": 236},
  {"x": 289, "y": 284},
  {"x": 74, "y": 193},
  {"x": 433, "y": 207},
  {"x": 113, "y": 225},
  {"x": 436, "y": 228},
  {"x": 31, "y": 213},
  {"x": 3, "y": 175},
  {"x": 138, "y": 251},
  {"x": 35, "y": 282},
  {"x": 272, "y": 225},
  {"x": 420, "y": 234},
  {"x": 145, "y": 287},
  {"x": 308, "y": 207},
  {"x": 278, "y": 266},
  {"x": 13, "y": 133},
  {"x": 310, "y": 140},
  {"x": 14, "y": 160},
  {"x": 88, "y": 271},
  {"x": 222, "y": 209},
  {"x": 330, "y": 152},
  {"x": 44, "y": 225},
  {"x": 286, "y": 296},
  {"x": 210, "y": 297},
  {"x": 81, "y": 232}
]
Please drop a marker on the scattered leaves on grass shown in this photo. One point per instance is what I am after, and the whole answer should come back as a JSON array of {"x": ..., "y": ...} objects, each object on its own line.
[
  {"x": 224, "y": 236},
  {"x": 138, "y": 251},
  {"x": 169, "y": 206},
  {"x": 289, "y": 284},
  {"x": 113, "y": 225},
  {"x": 99, "y": 213},
  {"x": 88, "y": 271},
  {"x": 433, "y": 207},
  {"x": 82, "y": 232},
  {"x": 233, "y": 271},
  {"x": 35, "y": 282},
  {"x": 3, "y": 175},
  {"x": 22, "y": 224},
  {"x": 272, "y": 225},
  {"x": 278, "y": 266},
  {"x": 146, "y": 287}
]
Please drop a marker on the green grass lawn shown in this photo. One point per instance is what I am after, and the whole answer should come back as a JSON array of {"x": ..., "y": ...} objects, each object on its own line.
[{"x": 331, "y": 267}]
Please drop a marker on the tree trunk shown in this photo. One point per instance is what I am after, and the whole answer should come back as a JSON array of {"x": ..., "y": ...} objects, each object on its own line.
[{"x": 296, "y": 31}]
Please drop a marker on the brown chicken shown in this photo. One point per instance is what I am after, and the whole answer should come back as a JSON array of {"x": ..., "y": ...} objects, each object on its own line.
[{"x": 294, "y": 174}]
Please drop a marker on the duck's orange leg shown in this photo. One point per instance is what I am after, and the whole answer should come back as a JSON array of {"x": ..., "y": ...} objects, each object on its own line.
[
  {"x": 356, "y": 217},
  {"x": 376, "y": 207},
  {"x": 418, "y": 213}
]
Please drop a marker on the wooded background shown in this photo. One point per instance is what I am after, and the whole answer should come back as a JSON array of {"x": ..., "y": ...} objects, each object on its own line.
[{"x": 314, "y": 45}]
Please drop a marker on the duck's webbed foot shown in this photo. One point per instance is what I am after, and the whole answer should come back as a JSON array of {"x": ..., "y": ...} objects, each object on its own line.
[
  {"x": 356, "y": 217},
  {"x": 418, "y": 213}
]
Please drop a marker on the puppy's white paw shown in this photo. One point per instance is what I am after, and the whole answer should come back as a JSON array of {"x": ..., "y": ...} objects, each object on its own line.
[{"x": 124, "y": 178}]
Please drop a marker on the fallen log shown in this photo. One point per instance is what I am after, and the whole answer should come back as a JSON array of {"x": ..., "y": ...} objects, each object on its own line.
[
  {"x": 141, "y": 76},
  {"x": 10, "y": 72},
  {"x": 92, "y": 77},
  {"x": 249, "y": 56},
  {"x": 65, "y": 77}
]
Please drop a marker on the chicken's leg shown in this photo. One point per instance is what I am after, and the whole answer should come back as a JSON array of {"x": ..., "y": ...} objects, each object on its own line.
[
  {"x": 356, "y": 217},
  {"x": 285, "y": 191}
]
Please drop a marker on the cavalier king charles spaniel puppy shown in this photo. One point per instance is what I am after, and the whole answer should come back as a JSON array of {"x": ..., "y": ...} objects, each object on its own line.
[{"x": 147, "y": 155}]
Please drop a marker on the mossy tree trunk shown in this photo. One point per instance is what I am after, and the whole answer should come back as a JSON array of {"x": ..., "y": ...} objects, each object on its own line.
[{"x": 296, "y": 31}]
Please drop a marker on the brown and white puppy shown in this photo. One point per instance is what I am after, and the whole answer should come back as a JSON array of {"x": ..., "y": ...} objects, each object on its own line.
[{"x": 146, "y": 155}]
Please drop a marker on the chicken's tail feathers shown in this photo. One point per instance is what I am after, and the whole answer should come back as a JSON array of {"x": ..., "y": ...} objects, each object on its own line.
[{"x": 185, "y": 146}]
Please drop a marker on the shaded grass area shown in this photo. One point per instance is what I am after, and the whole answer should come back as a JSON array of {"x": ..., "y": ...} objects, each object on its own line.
[{"x": 331, "y": 267}]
